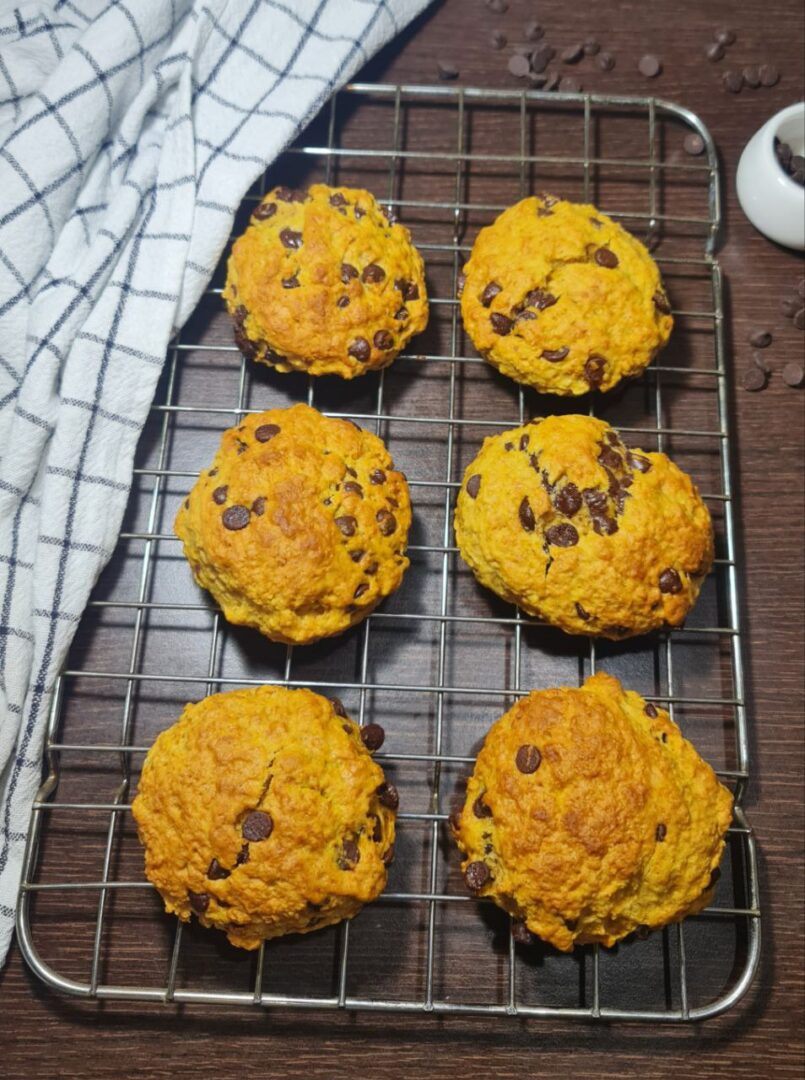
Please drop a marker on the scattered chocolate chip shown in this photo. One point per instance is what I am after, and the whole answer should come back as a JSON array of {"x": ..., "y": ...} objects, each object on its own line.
[
  {"x": 520, "y": 933},
  {"x": 259, "y": 506},
  {"x": 564, "y": 535},
  {"x": 554, "y": 355},
  {"x": 373, "y": 736},
  {"x": 799, "y": 319},
  {"x": 528, "y": 758},
  {"x": 476, "y": 875},
  {"x": 670, "y": 581},
  {"x": 348, "y": 272},
  {"x": 594, "y": 370},
  {"x": 349, "y": 855},
  {"x": 606, "y": 258},
  {"x": 360, "y": 349},
  {"x": 291, "y": 239},
  {"x": 480, "y": 809},
  {"x": 649, "y": 65},
  {"x": 793, "y": 374},
  {"x": 754, "y": 379},
  {"x": 570, "y": 85},
  {"x": 199, "y": 901},
  {"x": 388, "y": 795},
  {"x": 551, "y": 83},
  {"x": 751, "y": 76},
  {"x": 242, "y": 856},
  {"x": 498, "y": 40},
  {"x": 474, "y": 486},
  {"x": 373, "y": 273},
  {"x": 591, "y": 47},
  {"x": 761, "y": 339},
  {"x": 759, "y": 360},
  {"x": 568, "y": 500},
  {"x": 526, "y": 515},
  {"x": 661, "y": 303},
  {"x": 541, "y": 57},
  {"x": 789, "y": 306},
  {"x": 257, "y": 825},
  {"x": 582, "y": 614},
  {"x": 501, "y": 324},
  {"x": 572, "y": 54},
  {"x": 715, "y": 52},
  {"x": 651, "y": 710},
  {"x": 519, "y": 65},
  {"x": 661, "y": 832},
  {"x": 219, "y": 495},
  {"x": 216, "y": 872},
  {"x": 533, "y": 31},
  {"x": 490, "y": 292},
  {"x": 266, "y": 431},
  {"x": 386, "y": 522},
  {"x": 236, "y": 517},
  {"x": 733, "y": 81},
  {"x": 724, "y": 36},
  {"x": 693, "y": 144},
  {"x": 605, "y": 61}
]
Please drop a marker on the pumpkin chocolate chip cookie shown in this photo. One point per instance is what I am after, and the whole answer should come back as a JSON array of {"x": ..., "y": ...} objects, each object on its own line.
[
  {"x": 558, "y": 296},
  {"x": 299, "y": 527},
  {"x": 588, "y": 816},
  {"x": 262, "y": 812},
  {"x": 321, "y": 281},
  {"x": 562, "y": 519}
]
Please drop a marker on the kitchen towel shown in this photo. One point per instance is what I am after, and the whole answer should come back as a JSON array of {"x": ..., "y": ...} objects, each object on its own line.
[{"x": 129, "y": 132}]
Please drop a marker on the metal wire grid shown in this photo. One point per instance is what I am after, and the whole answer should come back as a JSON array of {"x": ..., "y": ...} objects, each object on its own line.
[{"x": 458, "y": 100}]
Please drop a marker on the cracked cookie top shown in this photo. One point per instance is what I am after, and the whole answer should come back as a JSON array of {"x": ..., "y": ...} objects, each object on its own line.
[
  {"x": 562, "y": 519},
  {"x": 557, "y": 295},
  {"x": 588, "y": 816},
  {"x": 299, "y": 527},
  {"x": 262, "y": 812},
  {"x": 321, "y": 281}
]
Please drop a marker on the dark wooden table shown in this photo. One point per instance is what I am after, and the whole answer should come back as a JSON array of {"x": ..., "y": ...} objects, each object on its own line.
[{"x": 42, "y": 1035}]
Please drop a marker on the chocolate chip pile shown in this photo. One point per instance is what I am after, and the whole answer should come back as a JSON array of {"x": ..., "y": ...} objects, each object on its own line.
[{"x": 792, "y": 164}]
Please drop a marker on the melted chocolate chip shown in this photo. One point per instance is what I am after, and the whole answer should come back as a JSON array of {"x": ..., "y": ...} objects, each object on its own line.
[
  {"x": 245, "y": 344},
  {"x": 356, "y": 556},
  {"x": 476, "y": 875},
  {"x": 605, "y": 525},
  {"x": 386, "y": 522},
  {"x": 594, "y": 370},
  {"x": 568, "y": 500},
  {"x": 661, "y": 303},
  {"x": 661, "y": 832},
  {"x": 526, "y": 515},
  {"x": 388, "y": 856},
  {"x": 216, "y": 872},
  {"x": 524, "y": 442},
  {"x": 401, "y": 314},
  {"x": 636, "y": 461},
  {"x": 257, "y": 825},
  {"x": 291, "y": 239},
  {"x": 409, "y": 289},
  {"x": 383, "y": 340},
  {"x": 528, "y": 759},
  {"x": 337, "y": 199},
  {"x": 474, "y": 486},
  {"x": 350, "y": 855},
  {"x": 289, "y": 195},
  {"x": 348, "y": 272},
  {"x": 219, "y": 495},
  {"x": 259, "y": 506},
  {"x": 501, "y": 324},
  {"x": 564, "y": 535},
  {"x": 291, "y": 282},
  {"x": 342, "y": 302},
  {"x": 338, "y": 707},
  {"x": 596, "y": 500},
  {"x": 347, "y": 524},
  {"x": 373, "y": 736},
  {"x": 266, "y": 431},
  {"x": 373, "y": 274},
  {"x": 199, "y": 901},
  {"x": 540, "y": 299},
  {"x": 242, "y": 856},
  {"x": 264, "y": 211},
  {"x": 555, "y": 355},
  {"x": 670, "y": 581},
  {"x": 521, "y": 934},
  {"x": 377, "y": 476},
  {"x": 236, "y": 517},
  {"x": 606, "y": 258},
  {"x": 490, "y": 292},
  {"x": 611, "y": 458},
  {"x": 370, "y": 569},
  {"x": 582, "y": 614},
  {"x": 650, "y": 710},
  {"x": 360, "y": 590},
  {"x": 388, "y": 796},
  {"x": 353, "y": 487},
  {"x": 360, "y": 349},
  {"x": 480, "y": 809}
]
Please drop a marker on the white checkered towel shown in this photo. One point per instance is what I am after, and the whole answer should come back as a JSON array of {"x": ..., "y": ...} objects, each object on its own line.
[{"x": 129, "y": 132}]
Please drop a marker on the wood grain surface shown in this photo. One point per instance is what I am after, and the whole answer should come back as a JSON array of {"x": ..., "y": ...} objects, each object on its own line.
[{"x": 44, "y": 1035}]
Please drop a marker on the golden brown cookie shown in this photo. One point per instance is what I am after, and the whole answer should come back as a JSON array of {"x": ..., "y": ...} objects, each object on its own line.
[
  {"x": 323, "y": 282},
  {"x": 560, "y": 297},
  {"x": 299, "y": 527},
  {"x": 562, "y": 519},
  {"x": 589, "y": 816},
  {"x": 262, "y": 812}
]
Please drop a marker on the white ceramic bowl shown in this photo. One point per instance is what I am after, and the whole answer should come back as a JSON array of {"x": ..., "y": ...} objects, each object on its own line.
[{"x": 773, "y": 202}]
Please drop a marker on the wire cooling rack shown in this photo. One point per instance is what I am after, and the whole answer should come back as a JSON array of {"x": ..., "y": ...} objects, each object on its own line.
[{"x": 442, "y": 658}]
